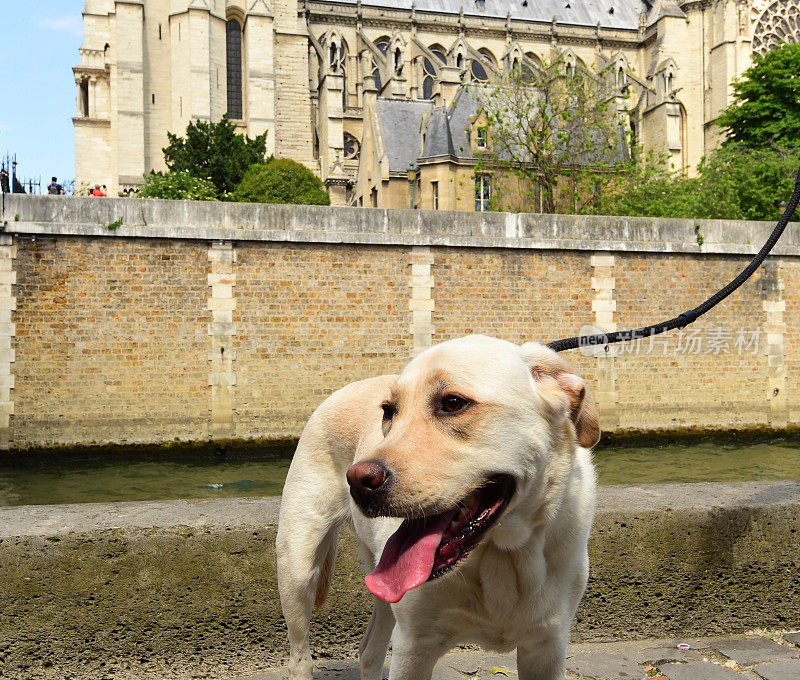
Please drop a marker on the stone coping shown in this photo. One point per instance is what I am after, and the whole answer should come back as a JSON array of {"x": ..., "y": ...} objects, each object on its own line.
[
  {"x": 80, "y": 518},
  {"x": 202, "y": 220}
]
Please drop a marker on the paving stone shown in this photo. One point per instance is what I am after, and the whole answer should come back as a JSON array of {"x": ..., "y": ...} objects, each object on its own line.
[
  {"x": 460, "y": 664},
  {"x": 658, "y": 653},
  {"x": 698, "y": 671},
  {"x": 749, "y": 651},
  {"x": 794, "y": 638},
  {"x": 600, "y": 664},
  {"x": 788, "y": 669},
  {"x": 325, "y": 670}
]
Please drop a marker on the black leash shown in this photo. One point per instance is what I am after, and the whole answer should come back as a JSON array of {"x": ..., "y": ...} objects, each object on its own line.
[{"x": 683, "y": 320}]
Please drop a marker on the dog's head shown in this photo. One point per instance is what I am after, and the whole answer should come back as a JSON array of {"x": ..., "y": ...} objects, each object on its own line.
[{"x": 475, "y": 429}]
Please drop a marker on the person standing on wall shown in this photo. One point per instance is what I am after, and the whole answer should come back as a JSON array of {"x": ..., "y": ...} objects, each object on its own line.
[{"x": 55, "y": 189}]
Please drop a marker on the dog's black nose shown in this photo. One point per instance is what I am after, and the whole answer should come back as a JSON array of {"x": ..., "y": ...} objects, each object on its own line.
[{"x": 368, "y": 482}]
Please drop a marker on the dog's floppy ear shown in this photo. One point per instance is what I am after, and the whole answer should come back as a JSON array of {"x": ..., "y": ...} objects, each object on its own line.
[{"x": 545, "y": 363}]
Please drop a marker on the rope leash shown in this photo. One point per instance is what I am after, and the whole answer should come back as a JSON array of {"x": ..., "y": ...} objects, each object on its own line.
[{"x": 690, "y": 316}]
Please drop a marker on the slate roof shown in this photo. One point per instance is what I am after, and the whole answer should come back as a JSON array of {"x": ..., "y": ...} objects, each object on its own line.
[
  {"x": 621, "y": 14},
  {"x": 446, "y": 132},
  {"x": 459, "y": 113},
  {"x": 401, "y": 122}
]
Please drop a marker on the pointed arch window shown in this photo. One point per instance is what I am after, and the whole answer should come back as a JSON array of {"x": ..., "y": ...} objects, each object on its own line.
[
  {"x": 382, "y": 44},
  {"x": 430, "y": 70},
  {"x": 621, "y": 79},
  {"x": 570, "y": 65},
  {"x": 337, "y": 59},
  {"x": 233, "y": 44},
  {"x": 478, "y": 71}
]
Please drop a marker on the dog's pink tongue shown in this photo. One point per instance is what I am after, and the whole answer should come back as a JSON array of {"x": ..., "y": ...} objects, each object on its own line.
[{"x": 407, "y": 559}]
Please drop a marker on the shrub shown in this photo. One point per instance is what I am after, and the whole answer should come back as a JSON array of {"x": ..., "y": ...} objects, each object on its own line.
[
  {"x": 733, "y": 183},
  {"x": 178, "y": 186},
  {"x": 215, "y": 151},
  {"x": 281, "y": 180}
]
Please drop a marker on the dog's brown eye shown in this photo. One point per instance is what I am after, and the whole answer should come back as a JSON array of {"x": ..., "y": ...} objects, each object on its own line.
[
  {"x": 454, "y": 404},
  {"x": 388, "y": 411}
]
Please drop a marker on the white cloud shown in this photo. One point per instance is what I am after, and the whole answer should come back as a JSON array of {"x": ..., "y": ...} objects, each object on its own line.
[{"x": 69, "y": 23}]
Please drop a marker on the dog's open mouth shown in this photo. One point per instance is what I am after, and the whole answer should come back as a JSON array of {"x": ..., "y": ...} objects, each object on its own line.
[{"x": 424, "y": 549}]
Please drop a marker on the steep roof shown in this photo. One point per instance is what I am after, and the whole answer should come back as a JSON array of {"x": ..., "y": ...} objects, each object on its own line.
[
  {"x": 622, "y": 14},
  {"x": 445, "y": 131},
  {"x": 401, "y": 123}
]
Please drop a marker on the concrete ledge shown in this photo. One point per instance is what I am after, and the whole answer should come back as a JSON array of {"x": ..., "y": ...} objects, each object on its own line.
[
  {"x": 204, "y": 220},
  {"x": 179, "y": 588}
]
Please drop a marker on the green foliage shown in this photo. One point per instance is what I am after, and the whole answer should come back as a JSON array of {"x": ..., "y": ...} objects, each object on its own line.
[
  {"x": 215, "y": 151},
  {"x": 766, "y": 101},
  {"x": 552, "y": 126},
  {"x": 178, "y": 186},
  {"x": 281, "y": 180},
  {"x": 733, "y": 183},
  {"x": 113, "y": 226}
]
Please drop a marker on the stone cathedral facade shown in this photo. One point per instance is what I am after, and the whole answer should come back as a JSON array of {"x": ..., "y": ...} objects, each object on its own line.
[{"x": 369, "y": 93}]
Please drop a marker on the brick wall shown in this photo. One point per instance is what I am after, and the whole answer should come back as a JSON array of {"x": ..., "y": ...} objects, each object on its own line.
[
  {"x": 111, "y": 341},
  {"x": 194, "y": 321},
  {"x": 310, "y": 319}
]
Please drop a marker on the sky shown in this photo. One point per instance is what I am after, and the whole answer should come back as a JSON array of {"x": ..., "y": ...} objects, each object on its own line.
[{"x": 39, "y": 42}]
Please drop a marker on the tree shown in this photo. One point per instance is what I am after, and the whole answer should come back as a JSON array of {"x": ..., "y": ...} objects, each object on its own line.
[
  {"x": 555, "y": 127},
  {"x": 733, "y": 183},
  {"x": 281, "y": 180},
  {"x": 177, "y": 186},
  {"x": 216, "y": 152},
  {"x": 766, "y": 101}
]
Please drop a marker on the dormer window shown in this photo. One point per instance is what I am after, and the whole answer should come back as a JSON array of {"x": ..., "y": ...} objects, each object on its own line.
[{"x": 481, "y": 137}]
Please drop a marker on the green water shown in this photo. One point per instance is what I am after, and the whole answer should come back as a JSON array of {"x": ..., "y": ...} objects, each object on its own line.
[
  {"x": 140, "y": 481},
  {"x": 158, "y": 480}
]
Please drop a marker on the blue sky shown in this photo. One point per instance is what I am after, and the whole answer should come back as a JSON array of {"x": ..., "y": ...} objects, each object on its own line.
[{"x": 39, "y": 43}]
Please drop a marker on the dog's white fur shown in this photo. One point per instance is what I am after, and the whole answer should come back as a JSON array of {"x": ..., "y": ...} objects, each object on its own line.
[{"x": 520, "y": 587}]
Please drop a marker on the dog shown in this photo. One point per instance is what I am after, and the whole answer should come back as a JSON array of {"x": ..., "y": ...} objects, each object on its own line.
[{"x": 469, "y": 483}]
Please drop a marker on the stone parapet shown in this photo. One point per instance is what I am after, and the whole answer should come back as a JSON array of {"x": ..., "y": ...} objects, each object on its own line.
[{"x": 206, "y": 220}]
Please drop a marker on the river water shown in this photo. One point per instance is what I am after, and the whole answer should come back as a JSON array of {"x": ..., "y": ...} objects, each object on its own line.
[{"x": 132, "y": 480}]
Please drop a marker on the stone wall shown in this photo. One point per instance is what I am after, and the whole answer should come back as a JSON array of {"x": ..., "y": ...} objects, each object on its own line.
[
  {"x": 178, "y": 589},
  {"x": 197, "y": 320}
]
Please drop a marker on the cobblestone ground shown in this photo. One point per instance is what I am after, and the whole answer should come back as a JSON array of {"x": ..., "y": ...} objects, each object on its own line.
[{"x": 764, "y": 655}]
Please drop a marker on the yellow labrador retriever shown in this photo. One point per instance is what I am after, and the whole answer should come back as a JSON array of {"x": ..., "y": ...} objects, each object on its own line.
[{"x": 470, "y": 487}]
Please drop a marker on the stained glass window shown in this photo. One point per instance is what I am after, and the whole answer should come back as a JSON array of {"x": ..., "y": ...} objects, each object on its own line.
[{"x": 233, "y": 34}]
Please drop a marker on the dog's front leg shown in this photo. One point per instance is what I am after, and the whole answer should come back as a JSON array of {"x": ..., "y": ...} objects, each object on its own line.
[
  {"x": 542, "y": 658},
  {"x": 375, "y": 643},
  {"x": 413, "y": 658}
]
